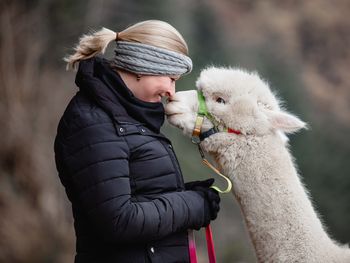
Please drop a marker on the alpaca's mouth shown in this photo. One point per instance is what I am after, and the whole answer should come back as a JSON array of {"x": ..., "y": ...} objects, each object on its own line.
[
  {"x": 170, "y": 111},
  {"x": 170, "y": 115}
]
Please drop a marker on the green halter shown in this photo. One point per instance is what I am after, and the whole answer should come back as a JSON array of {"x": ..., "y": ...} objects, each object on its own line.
[
  {"x": 202, "y": 108},
  {"x": 201, "y": 113}
]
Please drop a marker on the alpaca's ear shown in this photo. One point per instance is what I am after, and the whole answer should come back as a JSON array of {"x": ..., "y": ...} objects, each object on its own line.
[{"x": 284, "y": 121}]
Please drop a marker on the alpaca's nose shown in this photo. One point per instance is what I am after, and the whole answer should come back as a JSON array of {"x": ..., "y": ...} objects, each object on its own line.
[{"x": 185, "y": 96}]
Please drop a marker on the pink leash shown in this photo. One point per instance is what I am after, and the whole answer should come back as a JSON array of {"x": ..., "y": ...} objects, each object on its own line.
[{"x": 210, "y": 246}]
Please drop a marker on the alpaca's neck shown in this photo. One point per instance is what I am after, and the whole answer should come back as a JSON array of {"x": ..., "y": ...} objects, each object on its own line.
[{"x": 279, "y": 215}]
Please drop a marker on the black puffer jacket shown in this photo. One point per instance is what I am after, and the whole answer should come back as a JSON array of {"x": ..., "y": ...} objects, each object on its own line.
[{"x": 121, "y": 175}]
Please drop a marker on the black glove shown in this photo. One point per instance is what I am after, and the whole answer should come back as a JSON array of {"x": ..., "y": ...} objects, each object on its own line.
[
  {"x": 211, "y": 198},
  {"x": 205, "y": 183}
]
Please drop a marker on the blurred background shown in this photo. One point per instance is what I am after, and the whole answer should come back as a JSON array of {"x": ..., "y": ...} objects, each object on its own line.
[{"x": 300, "y": 47}]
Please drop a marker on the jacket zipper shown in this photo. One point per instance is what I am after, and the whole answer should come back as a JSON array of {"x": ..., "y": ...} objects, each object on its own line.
[{"x": 174, "y": 160}]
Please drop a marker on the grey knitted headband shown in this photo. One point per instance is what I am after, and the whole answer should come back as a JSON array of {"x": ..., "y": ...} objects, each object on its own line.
[{"x": 150, "y": 60}]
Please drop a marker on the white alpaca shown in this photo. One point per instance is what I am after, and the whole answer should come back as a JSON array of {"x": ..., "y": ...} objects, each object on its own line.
[{"x": 280, "y": 218}]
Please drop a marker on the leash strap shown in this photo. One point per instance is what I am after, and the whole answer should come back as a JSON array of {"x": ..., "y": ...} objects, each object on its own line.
[
  {"x": 229, "y": 183},
  {"x": 207, "y": 163},
  {"x": 210, "y": 245},
  {"x": 192, "y": 246}
]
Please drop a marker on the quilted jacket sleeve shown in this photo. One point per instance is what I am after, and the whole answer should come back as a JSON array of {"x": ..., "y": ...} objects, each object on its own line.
[{"x": 93, "y": 162}]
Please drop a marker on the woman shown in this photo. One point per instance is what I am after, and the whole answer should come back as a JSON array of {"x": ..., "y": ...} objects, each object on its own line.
[{"x": 120, "y": 173}]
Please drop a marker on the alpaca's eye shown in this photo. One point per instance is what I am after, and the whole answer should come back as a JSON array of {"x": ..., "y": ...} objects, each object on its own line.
[{"x": 220, "y": 100}]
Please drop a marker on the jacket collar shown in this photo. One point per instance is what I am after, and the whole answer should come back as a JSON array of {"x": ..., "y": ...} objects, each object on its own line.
[{"x": 97, "y": 79}]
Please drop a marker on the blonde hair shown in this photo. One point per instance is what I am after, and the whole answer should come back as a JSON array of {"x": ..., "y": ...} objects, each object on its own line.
[{"x": 151, "y": 32}]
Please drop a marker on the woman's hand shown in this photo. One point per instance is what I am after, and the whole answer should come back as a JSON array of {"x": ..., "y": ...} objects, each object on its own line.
[
  {"x": 211, "y": 198},
  {"x": 204, "y": 183}
]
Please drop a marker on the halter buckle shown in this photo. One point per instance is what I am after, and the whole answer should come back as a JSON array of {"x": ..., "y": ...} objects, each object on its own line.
[{"x": 197, "y": 129}]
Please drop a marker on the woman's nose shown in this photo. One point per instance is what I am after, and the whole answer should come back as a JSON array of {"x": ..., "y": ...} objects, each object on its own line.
[
  {"x": 170, "y": 91},
  {"x": 167, "y": 94}
]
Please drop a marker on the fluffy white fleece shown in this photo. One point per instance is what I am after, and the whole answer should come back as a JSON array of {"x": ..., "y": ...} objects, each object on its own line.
[{"x": 279, "y": 215}]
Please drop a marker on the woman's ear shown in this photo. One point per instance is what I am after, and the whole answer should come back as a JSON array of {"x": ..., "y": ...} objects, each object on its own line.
[{"x": 284, "y": 121}]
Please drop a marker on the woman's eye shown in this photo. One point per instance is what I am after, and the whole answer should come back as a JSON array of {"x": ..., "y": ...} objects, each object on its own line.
[{"x": 220, "y": 100}]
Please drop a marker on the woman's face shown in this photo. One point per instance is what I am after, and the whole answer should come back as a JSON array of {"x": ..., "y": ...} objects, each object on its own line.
[{"x": 154, "y": 88}]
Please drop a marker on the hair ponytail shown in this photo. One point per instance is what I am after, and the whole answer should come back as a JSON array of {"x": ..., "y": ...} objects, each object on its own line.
[
  {"x": 150, "y": 32},
  {"x": 89, "y": 46}
]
